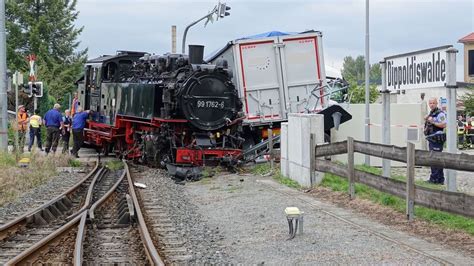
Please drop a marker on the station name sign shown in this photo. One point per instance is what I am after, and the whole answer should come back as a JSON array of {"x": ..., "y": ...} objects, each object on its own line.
[{"x": 417, "y": 70}]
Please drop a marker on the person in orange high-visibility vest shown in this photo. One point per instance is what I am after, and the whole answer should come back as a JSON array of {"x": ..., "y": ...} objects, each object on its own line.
[
  {"x": 75, "y": 104},
  {"x": 22, "y": 126}
]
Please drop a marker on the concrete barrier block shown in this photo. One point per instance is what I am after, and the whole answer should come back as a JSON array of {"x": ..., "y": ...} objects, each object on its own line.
[
  {"x": 299, "y": 128},
  {"x": 284, "y": 149}
]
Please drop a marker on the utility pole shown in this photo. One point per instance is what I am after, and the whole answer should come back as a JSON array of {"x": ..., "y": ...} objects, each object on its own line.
[
  {"x": 3, "y": 81},
  {"x": 367, "y": 82}
]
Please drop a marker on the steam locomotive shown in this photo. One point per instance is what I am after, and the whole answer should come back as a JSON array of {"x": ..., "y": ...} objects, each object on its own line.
[{"x": 162, "y": 109}]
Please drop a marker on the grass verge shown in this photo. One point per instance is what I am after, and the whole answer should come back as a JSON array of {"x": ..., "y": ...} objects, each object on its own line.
[
  {"x": 114, "y": 165},
  {"x": 444, "y": 219},
  {"x": 15, "y": 180},
  {"x": 265, "y": 168}
]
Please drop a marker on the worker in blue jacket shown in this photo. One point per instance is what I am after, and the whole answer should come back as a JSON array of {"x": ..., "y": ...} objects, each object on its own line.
[
  {"x": 53, "y": 120},
  {"x": 78, "y": 124}
]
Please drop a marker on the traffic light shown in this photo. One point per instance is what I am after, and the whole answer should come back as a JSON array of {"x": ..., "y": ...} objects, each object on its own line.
[
  {"x": 222, "y": 9},
  {"x": 35, "y": 89}
]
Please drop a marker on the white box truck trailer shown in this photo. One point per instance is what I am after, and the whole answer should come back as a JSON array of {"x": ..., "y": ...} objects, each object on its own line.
[{"x": 276, "y": 74}]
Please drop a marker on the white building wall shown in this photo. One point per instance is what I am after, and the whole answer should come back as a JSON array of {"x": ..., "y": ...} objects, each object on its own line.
[{"x": 404, "y": 117}]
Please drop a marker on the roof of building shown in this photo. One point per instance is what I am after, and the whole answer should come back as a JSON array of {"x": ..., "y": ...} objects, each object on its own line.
[{"x": 468, "y": 38}]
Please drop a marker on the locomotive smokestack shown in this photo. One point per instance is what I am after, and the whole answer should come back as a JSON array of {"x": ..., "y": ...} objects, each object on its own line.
[
  {"x": 173, "y": 39},
  {"x": 196, "y": 54}
]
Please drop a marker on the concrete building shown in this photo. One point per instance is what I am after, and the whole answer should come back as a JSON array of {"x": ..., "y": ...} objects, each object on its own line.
[{"x": 468, "y": 42}]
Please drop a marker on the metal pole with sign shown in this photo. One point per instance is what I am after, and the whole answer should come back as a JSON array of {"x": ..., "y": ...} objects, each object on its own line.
[
  {"x": 451, "y": 134},
  {"x": 17, "y": 83},
  {"x": 386, "y": 118}
]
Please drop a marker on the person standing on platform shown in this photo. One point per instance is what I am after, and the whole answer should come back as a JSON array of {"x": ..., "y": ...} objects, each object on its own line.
[
  {"x": 435, "y": 122},
  {"x": 22, "y": 126},
  {"x": 75, "y": 104},
  {"x": 53, "y": 121},
  {"x": 35, "y": 130},
  {"x": 78, "y": 125},
  {"x": 66, "y": 130}
]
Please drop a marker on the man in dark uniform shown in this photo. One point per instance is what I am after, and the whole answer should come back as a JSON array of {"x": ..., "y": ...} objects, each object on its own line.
[
  {"x": 435, "y": 122},
  {"x": 53, "y": 121}
]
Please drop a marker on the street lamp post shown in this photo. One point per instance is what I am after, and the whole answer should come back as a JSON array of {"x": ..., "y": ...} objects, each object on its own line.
[
  {"x": 220, "y": 9},
  {"x": 367, "y": 81}
]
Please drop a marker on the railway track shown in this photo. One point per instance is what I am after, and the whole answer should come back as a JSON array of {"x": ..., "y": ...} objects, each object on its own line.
[
  {"x": 166, "y": 235},
  {"x": 28, "y": 229},
  {"x": 105, "y": 227}
]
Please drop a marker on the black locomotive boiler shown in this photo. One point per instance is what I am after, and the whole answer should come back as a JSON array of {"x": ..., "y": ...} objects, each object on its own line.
[{"x": 162, "y": 109}]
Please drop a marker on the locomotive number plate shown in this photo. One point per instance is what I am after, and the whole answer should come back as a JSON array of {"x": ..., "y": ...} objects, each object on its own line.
[{"x": 210, "y": 104}]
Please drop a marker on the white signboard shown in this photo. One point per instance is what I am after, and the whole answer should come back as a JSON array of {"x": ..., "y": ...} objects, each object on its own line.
[{"x": 417, "y": 70}]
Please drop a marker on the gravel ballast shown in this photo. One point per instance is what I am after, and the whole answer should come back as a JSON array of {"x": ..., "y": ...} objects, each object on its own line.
[{"x": 39, "y": 195}]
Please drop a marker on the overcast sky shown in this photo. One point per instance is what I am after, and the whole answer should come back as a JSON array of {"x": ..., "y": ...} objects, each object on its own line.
[{"x": 396, "y": 26}]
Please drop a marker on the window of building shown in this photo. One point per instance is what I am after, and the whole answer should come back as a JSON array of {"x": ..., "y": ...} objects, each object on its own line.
[{"x": 470, "y": 63}]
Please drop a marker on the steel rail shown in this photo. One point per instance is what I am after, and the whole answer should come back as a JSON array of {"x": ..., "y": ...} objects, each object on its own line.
[
  {"x": 105, "y": 197},
  {"x": 60, "y": 232},
  {"x": 88, "y": 200},
  {"x": 32, "y": 251},
  {"x": 78, "y": 250},
  {"x": 150, "y": 249},
  {"x": 13, "y": 226}
]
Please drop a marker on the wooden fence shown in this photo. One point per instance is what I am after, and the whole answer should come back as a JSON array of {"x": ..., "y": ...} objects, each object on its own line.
[{"x": 453, "y": 202}]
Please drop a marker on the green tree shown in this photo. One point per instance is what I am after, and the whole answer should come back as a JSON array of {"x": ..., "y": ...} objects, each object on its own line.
[
  {"x": 45, "y": 28},
  {"x": 353, "y": 71},
  {"x": 468, "y": 100}
]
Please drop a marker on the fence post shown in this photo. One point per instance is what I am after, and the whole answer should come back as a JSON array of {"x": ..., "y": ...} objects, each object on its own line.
[
  {"x": 312, "y": 156},
  {"x": 410, "y": 197},
  {"x": 350, "y": 166},
  {"x": 270, "y": 146}
]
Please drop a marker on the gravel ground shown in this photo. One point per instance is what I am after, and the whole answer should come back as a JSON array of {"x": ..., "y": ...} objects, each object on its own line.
[
  {"x": 249, "y": 212},
  {"x": 39, "y": 195},
  {"x": 464, "y": 180},
  {"x": 202, "y": 241}
]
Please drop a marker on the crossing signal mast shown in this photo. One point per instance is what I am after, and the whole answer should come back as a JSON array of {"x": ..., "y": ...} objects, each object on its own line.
[{"x": 222, "y": 9}]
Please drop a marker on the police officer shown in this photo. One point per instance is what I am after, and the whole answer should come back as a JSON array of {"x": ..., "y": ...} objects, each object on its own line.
[
  {"x": 461, "y": 132},
  {"x": 66, "y": 130},
  {"x": 435, "y": 122}
]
